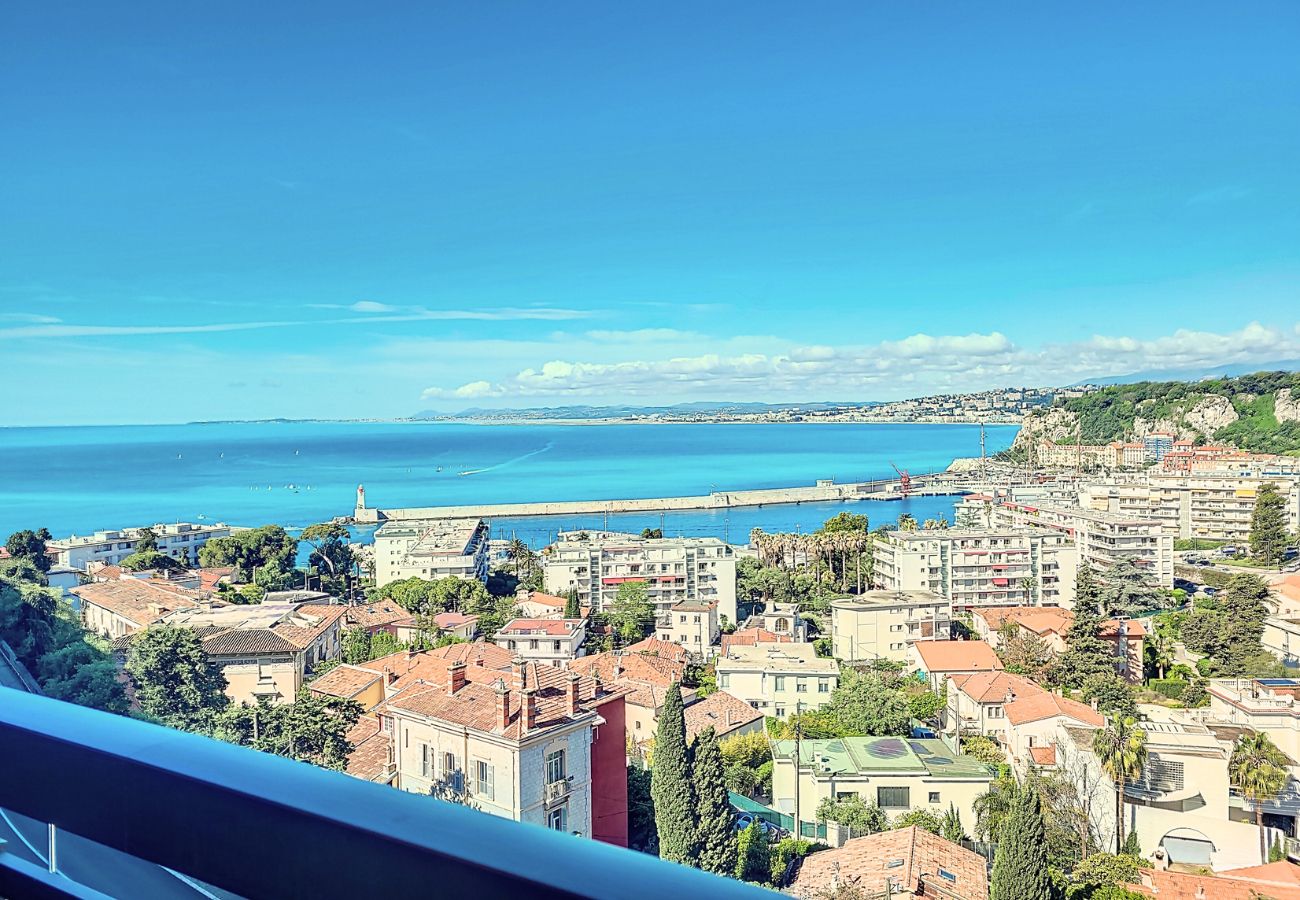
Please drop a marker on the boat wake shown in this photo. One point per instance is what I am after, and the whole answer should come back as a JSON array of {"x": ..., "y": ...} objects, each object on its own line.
[{"x": 510, "y": 462}]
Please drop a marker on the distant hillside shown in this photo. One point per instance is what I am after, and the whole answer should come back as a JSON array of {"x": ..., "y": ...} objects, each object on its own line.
[
  {"x": 677, "y": 410},
  {"x": 1259, "y": 412},
  {"x": 1228, "y": 370}
]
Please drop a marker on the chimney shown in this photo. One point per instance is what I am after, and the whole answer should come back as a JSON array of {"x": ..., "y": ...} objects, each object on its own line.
[
  {"x": 618, "y": 663},
  {"x": 728, "y": 718},
  {"x": 1200, "y": 892},
  {"x": 520, "y": 673},
  {"x": 389, "y": 675},
  {"x": 571, "y": 692},
  {"x": 455, "y": 678},
  {"x": 503, "y": 705},
  {"x": 529, "y": 704}
]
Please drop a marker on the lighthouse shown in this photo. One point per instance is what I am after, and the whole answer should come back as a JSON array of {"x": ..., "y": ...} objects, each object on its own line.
[{"x": 361, "y": 496}]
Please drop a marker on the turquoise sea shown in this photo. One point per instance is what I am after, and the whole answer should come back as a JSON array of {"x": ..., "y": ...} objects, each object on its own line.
[{"x": 79, "y": 479}]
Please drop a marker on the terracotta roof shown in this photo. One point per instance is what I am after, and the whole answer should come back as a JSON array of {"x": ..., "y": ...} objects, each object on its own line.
[
  {"x": 957, "y": 656},
  {"x": 1132, "y": 628},
  {"x": 870, "y": 862},
  {"x": 344, "y": 681},
  {"x": 652, "y": 646},
  {"x": 993, "y": 687},
  {"x": 210, "y": 578},
  {"x": 1043, "y": 756},
  {"x": 1045, "y": 705},
  {"x": 374, "y": 615},
  {"x": 369, "y": 757},
  {"x": 1168, "y": 885},
  {"x": 475, "y": 705},
  {"x": 1280, "y": 872},
  {"x": 747, "y": 637},
  {"x": 552, "y": 627},
  {"x": 544, "y": 599},
  {"x": 137, "y": 600},
  {"x": 431, "y": 665},
  {"x": 1038, "y": 619},
  {"x": 720, "y": 711},
  {"x": 452, "y": 619},
  {"x": 616, "y": 666},
  {"x": 245, "y": 642}
]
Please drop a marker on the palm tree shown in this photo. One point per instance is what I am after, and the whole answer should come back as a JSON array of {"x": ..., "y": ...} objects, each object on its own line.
[
  {"x": 907, "y": 522},
  {"x": 1161, "y": 643},
  {"x": 1028, "y": 584},
  {"x": 1258, "y": 770},
  {"x": 1122, "y": 749}
]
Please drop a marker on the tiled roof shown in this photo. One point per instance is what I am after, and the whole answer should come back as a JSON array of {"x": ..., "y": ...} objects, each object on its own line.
[
  {"x": 720, "y": 711},
  {"x": 210, "y": 578},
  {"x": 993, "y": 687},
  {"x": 374, "y": 615},
  {"x": 1280, "y": 872},
  {"x": 1043, "y": 756},
  {"x": 1050, "y": 620},
  {"x": 138, "y": 600},
  {"x": 543, "y": 599},
  {"x": 747, "y": 637},
  {"x": 1169, "y": 885},
  {"x": 1045, "y": 705},
  {"x": 907, "y": 858},
  {"x": 344, "y": 681},
  {"x": 369, "y": 757},
  {"x": 246, "y": 642},
  {"x": 431, "y": 665},
  {"x": 612, "y": 666},
  {"x": 552, "y": 627},
  {"x": 652, "y": 646},
  {"x": 475, "y": 705},
  {"x": 957, "y": 656},
  {"x": 452, "y": 619}
]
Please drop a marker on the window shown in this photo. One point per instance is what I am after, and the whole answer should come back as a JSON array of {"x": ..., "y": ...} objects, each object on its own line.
[
  {"x": 778, "y": 682},
  {"x": 893, "y": 797},
  {"x": 697, "y": 620},
  {"x": 895, "y": 627},
  {"x": 558, "y": 819},
  {"x": 424, "y": 760},
  {"x": 995, "y": 712},
  {"x": 681, "y": 619},
  {"x": 483, "y": 779},
  {"x": 934, "y": 796},
  {"x": 823, "y": 686},
  {"x": 555, "y": 766},
  {"x": 722, "y": 681},
  {"x": 780, "y": 712},
  {"x": 532, "y": 645},
  {"x": 557, "y": 646},
  {"x": 801, "y": 686}
]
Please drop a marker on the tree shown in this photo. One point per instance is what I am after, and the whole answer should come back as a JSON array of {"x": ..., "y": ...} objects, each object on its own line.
[
  {"x": 1268, "y": 535},
  {"x": 571, "y": 608},
  {"x": 854, "y": 813},
  {"x": 952, "y": 829},
  {"x": 1112, "y": 693},
  {"x": 641, "y": 833},
  {"x": 1024, "y": 653},
  {"x": 753, "y": 855},
  {"x": 863, "y": 704},
  {"x": 652, "y": 533},
  {"x": 147, "y": 542},
  {"x": 356, "y": 646},
  {"x": 925, "y": 704},
  {"x": 1020, "y": 863},
  {"x": 1258, "y": 770},
  {"x": 907, "y": 522},
  {"x": 921, "y": 818},
  {"x": 147, "y": 560},
  {"x": 1246, "y": 604},
  {"x": 1130, "y": 589},
  {"x": 1086, "y": 652},
  {"x": 993, "y": 807},
  {"x": 715, "y": 838},
  {"x": 984, "y": 749},
  {"x": 30, "y": 545},
  {"x": 1121, "y": 747},
  {"x": 175, "y": 681},
  {"x": 672, "y": 788},
  {"x": 266, "y": 555},
  {"x": 632, "y": 614},
  {"x": 82, "y": 672},
  {"x": 1100, "y": 871},
  {"x": 311, "y": 729},
  {"x": 330, "y": 552}
]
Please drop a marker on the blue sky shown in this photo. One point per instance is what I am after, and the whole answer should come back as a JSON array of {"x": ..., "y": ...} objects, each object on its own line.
[{"x": 251, "y": 210}]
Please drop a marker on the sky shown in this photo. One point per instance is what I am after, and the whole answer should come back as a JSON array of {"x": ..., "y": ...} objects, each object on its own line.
[{"x": 251, "y": 210}]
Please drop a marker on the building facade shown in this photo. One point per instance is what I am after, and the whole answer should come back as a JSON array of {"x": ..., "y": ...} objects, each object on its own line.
[
  {"x": 691, "y": 623},
  {"x": 778, "y": 679},
  {"x": 180, "y": 540},
  {"x": 883, "y": 624},
  {"x": 552, "y": 642},
  {"x": 431, "y": 549}
]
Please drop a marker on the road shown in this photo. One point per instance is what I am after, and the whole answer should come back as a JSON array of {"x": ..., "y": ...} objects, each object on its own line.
[{"x": 106, "y": 870}]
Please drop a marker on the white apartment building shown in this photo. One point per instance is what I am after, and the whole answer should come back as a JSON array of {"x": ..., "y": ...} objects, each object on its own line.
[
  {"x": 595, "y": 563},
  {"x": 778, "y": 679},
  {"x": 181, "y": 540},
  {"x": 551, "y": 642},
  {"x": 1214, "y": 507},
  {"x": 883, "y": 624},
  {"x": 973, "y": 567},
  {"x": 780, "y": 618},
  {"x": 692, "y": 624},
  {"x": 431, "y": 549},
  {"x": 1102, "y": 538}
]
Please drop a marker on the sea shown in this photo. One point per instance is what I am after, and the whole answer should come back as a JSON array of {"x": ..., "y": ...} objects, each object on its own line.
[{"x": 76, "y": 480}]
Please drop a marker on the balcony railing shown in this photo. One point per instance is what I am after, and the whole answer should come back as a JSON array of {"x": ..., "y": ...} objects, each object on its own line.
[{"x": 263, "y": 826}]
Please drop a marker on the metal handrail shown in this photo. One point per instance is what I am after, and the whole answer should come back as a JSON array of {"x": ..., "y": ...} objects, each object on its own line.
[{"x": 263, "y": 826}]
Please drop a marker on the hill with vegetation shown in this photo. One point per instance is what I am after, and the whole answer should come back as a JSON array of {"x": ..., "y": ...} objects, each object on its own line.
[{"x": 1259, "y": 412}]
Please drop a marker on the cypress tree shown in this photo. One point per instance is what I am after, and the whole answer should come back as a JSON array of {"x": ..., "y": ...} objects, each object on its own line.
[
  {"x": 753, "y": 855},
  {"x": 1020, "y": 864},
  {"x": 716, "y": 838},
  {"x": 670, "y": 786},
  {"x": 571, "y": 608},
  {"x": 1086, "y": 653},
  {"x": 1268, "y": 537}
]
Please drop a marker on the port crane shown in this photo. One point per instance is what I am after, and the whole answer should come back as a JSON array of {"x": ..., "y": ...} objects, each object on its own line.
[{"x": 904, "y": 480}]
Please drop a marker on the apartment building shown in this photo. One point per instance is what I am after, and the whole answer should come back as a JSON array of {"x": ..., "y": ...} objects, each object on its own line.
[
  {"x": 431, "y": 549},
  {"x": 1214, "y": 507},
  {"x": 1269, "y": 705},
  {"x": 114, "y": 609},
  {"x": 1126, "y": 636},
  {"x": 895, "y": 773},
  {"x": 596, "y": 563},
  {"x": 1102, "y": 538},
  {"x": 976, "y": 704},
  {"x": 883, "y": 624},
  {"x": 530, "y": 743},
  {"x": 691, "y": 623},
  {"x": 264, "y": 650},
  {"x": 779, "y": 618},
  {"x": 939, "y": 660},
  {"x": 180, "y": 540},
  {"x": 973, "y": 567},
  {"x": 551, "y": 642},
  {"x": 1033, "y": 725},
  {"x": 778, "y": 679}
]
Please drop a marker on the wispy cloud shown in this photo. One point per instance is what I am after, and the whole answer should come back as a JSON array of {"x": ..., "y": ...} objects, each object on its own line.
[
  {"x": 65, "y": 331},
  {"x": 29, "y": 318},
  {"x": 1224, "y": 194}
]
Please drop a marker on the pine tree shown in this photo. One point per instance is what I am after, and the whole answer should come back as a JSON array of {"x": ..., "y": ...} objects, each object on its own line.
[
  {"x": 671, "y": 787},
  {"x": 571, "y": 608},
  {"x": 1086, "y": 652},
  {"x": 952, "y": 829},
  {"x": 1268, "y": 537},
  {"x": 716, "y": 838},
  {"x": 753, "y": 855},
  {"x": 1020, "y": 865},
  {"x": 1132, "y": 846}
]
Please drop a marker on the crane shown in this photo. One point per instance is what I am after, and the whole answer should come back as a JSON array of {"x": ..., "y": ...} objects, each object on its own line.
[{"x": 904, "y": 480}]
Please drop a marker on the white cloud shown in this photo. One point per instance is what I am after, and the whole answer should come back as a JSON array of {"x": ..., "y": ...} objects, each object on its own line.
[
  {"x": 29, "y": 318},
  {"x": 643, "y": 336},
  {"x": 370, "y": 306},
  {"x": 66, "y": 331}
]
